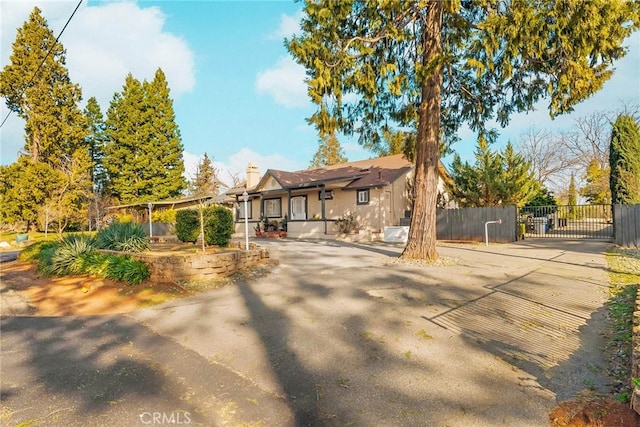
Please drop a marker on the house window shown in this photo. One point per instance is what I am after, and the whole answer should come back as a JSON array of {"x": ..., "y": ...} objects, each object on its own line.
[
  {"x": 328, "y": 195},
  {"x": 241, "y": 213},
  {"x": 273, "y": 208},
  {"x": 363, "y": 197}
]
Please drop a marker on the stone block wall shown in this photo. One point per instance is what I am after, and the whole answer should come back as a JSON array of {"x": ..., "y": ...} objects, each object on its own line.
[
  {"x": 195, "y": 267},
  {"x": 635, "y": 355}
]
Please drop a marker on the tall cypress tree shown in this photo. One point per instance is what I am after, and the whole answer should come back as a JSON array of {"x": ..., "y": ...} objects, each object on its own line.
[
  {"x": 624, "y": 159},
  {"x": 143, "y": 155}
]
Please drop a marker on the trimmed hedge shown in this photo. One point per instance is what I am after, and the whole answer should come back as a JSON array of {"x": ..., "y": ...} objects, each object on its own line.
[
  {"x": 218, "y": 226},
  {"x": 187, "y": 225}
]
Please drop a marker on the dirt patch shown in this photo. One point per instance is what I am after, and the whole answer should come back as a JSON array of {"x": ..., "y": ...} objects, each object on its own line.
[
  {"x": 80, "y": 295},
  {"x": 594, "y": 412}
]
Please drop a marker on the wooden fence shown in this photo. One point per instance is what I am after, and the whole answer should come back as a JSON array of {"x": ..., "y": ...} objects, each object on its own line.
[
  {"x": 468, "y": 224},
  {"x": 626, "y": 220}
]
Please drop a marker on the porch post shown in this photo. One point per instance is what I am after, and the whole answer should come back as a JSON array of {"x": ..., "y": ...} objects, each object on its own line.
[
  {"x": 324, "y": 218},
  {"x": 289, "y": 203}
]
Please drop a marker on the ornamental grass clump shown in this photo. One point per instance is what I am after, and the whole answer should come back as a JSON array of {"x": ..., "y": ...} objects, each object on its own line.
[
  {"x": 68, "y": 255},
  {"x": 123, "y": 237},
  {"x": 76, "y": 254},
  {"x": 124, "y": 269}
]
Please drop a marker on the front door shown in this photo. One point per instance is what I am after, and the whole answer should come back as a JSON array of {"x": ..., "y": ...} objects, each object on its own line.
[{"x": 299, "y": 207}]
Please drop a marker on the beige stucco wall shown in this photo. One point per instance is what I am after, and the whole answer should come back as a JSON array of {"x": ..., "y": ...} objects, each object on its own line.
[{"x": 386, "y": 207}]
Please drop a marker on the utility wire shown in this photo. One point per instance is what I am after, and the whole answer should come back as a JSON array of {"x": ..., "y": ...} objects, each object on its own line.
[{"x": 35, "y": 74}]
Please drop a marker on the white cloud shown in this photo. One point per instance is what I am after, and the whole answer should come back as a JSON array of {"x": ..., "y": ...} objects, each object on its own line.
[
  {"x": 238, "y": 161},
  {"x": 285, "y": 82},
  {"x": 104, "y": 43},
  {"x": 237, "y": 164},
  {"x": 289, "y": 25}
]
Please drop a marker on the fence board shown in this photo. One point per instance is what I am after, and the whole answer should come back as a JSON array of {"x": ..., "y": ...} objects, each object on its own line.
[
  {"x": 627, "y": 225},
  {"x": 467, "y": 224}
]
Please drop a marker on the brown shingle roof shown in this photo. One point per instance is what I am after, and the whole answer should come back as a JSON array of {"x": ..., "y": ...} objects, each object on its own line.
[
  {"x": 367, "y": 173},
  {"x": 362, "y": 174}
]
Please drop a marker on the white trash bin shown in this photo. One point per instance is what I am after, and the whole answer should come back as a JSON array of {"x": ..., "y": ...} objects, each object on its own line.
[{"x": 540, "y": 225}]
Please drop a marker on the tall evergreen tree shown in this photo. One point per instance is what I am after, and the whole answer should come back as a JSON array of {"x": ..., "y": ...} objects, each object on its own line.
[
  {"x": 624, "y": 158},
  {"x": 572, "y": 198},
  {"x": 496, "y": 178},
  {"x": 397, "y": 142},
  {"x": 96, "y": 140},
  {"x": 432, "y": 65},
  {"x": 37, "y": 87},
  {"x": 166, "y": 155},
  {"x": 143, "y": 154},
  {"x": 206, "y": 182},
  {"x": 329, "y": 152}
]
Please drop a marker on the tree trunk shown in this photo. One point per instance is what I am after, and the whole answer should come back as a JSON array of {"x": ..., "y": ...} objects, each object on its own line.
[{"x": 421, "y": 242}]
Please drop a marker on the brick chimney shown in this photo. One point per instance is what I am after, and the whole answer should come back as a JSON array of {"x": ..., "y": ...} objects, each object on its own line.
[{"x": 253, "y": 175}]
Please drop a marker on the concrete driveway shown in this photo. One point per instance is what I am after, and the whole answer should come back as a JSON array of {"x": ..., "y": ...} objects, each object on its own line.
[{"x": 337, "y": 334}]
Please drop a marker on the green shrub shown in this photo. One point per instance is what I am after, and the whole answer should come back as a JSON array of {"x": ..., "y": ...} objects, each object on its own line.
[
  {"x": 187, "y": 225},
  {"x": 76, "y": 254},
  {"x": 94, "y": 263},
  {"x": 67, "y": 257},
  {"x": 218, "y": 226},
  {"x": 122, "y": 236},
  {"x": 45, "y": 259},
  {"x": 32, "y": 252},
  {"x": 124, "y": 269},
  {"x": 167, "y": 215}
]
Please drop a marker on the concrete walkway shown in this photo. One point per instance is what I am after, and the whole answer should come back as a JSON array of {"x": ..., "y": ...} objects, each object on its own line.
[{"x": 335, "y": 335}]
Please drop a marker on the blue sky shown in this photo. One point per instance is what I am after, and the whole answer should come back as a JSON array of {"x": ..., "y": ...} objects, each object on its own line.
[{"x": 238, "y": 96}]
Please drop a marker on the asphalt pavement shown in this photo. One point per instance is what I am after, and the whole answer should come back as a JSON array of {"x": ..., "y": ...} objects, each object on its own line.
[{"x": 337, "y": 334}]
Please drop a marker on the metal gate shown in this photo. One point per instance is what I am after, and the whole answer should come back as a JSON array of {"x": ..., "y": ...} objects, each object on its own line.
[{"x": 566, "y": 222}]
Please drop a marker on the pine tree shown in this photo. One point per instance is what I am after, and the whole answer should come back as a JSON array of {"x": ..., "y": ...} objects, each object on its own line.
[
  {"x": 126, "y": 137},
  {"x": 96, "y": 140},
  {"x": 433, "y": 65},
  {"x": 624, "y": 158},
  {"x": 37, "y": 87},
  {"x": 143, "y": 155},
  {"x": 40, "y": 91},
  {"x": 496, "y": 178},
  {"x": 397, "y": 142},
  {"x": 166, "y": 148},
  {"x": 329, "y": 152},
  {"x": 206, "y": 182}
]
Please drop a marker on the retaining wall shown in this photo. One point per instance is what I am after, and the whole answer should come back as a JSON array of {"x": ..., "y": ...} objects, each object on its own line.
[
  {"x": 635, "y": 355},
  {"x": 187, "y": 267}
]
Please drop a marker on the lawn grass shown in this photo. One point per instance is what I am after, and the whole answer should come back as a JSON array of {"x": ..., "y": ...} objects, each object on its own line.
[{"x": 624, "y": 280}]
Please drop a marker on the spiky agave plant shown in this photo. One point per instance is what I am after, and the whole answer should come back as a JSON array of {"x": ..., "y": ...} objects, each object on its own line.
[
  {"x": 69, "y": 254},
  {"x": 122, "y": 236}
]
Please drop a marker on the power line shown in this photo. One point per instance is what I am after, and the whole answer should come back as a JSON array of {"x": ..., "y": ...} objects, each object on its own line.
[{"x": 35, "y": 74}]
